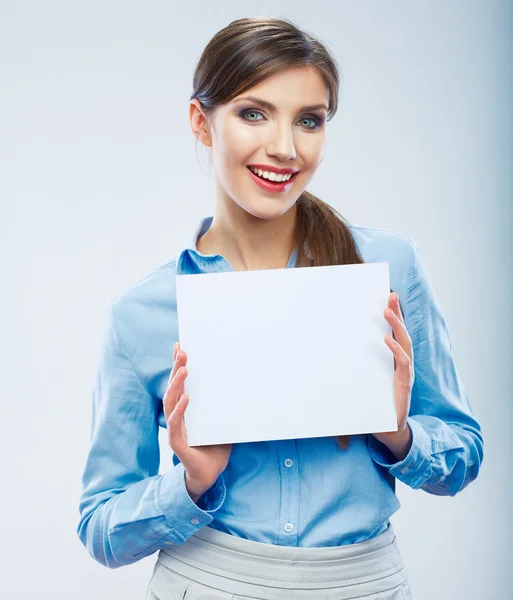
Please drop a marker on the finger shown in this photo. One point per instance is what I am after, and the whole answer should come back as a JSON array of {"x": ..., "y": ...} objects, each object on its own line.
[
  {"x": 401, "y": 357},
  {"x": 176, "y": 426},
  {"x": 180, "y": 360},
  {"x": 399, "y": 330},
  {"x": 389, "y": 344},
  {"x": 177, "y": 360},
  {"x": 174, "y": 391},
  {"x": 181, "y": 387},
  {"x": 393, "y": 304}
]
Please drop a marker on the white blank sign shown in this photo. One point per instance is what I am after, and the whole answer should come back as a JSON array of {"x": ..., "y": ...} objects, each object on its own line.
[{"x": 286, "y": 353}]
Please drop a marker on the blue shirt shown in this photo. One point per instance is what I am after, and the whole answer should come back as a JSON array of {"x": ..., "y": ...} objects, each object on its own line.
[{"x": 298, "y": 492}]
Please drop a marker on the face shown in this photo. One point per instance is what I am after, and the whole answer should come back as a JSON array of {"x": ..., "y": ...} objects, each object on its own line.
[{"x": 286, "y": 133}]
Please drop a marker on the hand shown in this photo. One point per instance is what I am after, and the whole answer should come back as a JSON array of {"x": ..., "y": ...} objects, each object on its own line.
[
  {"x": 203, "y": 464},
  {"x": 399, "y": 442}
]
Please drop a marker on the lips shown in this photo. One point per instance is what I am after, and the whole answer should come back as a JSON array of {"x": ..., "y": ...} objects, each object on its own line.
[
  {"x": 291, "y": 172},
  {"x": 271, "y": 169},
  {"x": 271, "y": 186}
]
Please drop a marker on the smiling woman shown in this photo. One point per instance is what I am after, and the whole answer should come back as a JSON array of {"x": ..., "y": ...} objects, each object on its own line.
[
  {"x": 227, "y": 517},
  {"x": 278, "y": 129}
]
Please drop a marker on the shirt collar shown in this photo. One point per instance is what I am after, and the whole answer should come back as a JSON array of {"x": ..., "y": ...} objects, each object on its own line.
[{"x": 190, "y": 260}]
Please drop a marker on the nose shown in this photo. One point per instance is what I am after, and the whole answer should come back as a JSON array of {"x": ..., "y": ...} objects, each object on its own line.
[{"x": 281, "y": 142}]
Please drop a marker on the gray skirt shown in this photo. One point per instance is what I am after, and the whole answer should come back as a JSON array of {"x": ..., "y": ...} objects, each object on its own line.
[{"x": 212, "y": 565}]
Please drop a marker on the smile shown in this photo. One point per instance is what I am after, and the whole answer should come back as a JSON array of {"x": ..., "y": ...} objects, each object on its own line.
[{"x": 270, "y": 181}]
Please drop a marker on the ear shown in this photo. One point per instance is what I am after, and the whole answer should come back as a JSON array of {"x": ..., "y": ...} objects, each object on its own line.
[{"x": 198, "y": 121}]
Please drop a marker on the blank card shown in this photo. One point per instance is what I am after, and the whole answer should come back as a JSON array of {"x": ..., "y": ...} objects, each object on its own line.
[{"x": 286, "y": 353}]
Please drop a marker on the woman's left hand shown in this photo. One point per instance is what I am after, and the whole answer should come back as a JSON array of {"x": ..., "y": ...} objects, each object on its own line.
[{"x": 399, "y": 442}]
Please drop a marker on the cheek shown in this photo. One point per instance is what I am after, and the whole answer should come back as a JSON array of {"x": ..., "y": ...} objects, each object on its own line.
[
  {"x": 311, "y": 150},
  {"x": 239, "y": 143}
]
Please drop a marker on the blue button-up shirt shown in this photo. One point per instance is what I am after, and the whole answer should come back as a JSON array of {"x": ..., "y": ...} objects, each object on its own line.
[{"x": 297, "y": 492}]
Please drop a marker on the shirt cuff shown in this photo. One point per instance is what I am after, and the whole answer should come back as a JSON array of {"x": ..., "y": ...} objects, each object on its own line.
[
  {"x": 415, "y": 468},
  {"x": 183, "y": 515}
]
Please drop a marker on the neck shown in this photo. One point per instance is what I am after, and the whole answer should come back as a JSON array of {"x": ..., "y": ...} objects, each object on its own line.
[{"x": 247, "y": 242}]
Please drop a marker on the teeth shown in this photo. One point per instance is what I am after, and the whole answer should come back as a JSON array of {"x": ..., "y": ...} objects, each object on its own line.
[{"x": 270, "y": 175}]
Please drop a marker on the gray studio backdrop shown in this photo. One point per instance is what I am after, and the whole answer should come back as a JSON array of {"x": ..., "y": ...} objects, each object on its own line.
[{"x": 100, "y": 180}]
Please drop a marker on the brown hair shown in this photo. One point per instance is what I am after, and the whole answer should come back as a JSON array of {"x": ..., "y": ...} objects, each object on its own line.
[{"x": 240, "y": 56}]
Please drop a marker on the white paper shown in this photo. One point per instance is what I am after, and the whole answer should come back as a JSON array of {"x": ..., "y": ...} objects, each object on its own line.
[{"x": 286, "y": 353}]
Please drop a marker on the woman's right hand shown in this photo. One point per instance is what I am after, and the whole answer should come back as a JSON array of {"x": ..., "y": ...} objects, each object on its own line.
[{"x": 203, "y": 464}]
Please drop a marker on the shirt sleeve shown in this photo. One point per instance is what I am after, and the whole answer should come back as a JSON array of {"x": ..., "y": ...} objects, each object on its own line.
[
  {"x": 447, "y": 443},
  {"x": 127, "y": 509}
]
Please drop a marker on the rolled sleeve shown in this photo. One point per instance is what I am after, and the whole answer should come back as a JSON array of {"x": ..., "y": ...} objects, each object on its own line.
[
  {"x": 184, "y": 516},
  {"x": 415, "y": 468}
]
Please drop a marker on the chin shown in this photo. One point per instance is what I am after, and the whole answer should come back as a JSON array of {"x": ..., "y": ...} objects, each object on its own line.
[{"x": 268, "y": 209}]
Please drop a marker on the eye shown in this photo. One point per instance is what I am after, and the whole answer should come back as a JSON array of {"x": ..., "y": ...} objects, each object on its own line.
[
  {"x": 317, "y": 122},
  {"x": 249, "y": 112}
]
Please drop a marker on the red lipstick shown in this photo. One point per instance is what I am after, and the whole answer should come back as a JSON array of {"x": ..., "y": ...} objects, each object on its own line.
[
  {"x": 271, "y": 169},
  {"x": 273, "y": 186}
]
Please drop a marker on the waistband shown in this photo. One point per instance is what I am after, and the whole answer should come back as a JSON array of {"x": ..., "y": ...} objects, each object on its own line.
[{"x": 210, "y": 553}]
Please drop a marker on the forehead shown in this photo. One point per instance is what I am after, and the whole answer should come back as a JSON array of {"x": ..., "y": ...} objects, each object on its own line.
[{"x": 297, "y": 86}]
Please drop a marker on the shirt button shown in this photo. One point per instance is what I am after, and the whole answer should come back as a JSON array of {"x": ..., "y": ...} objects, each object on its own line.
[
  {"x": 289, "y": 462},
  {"x": 289, "y": 527},
  {"x": 195, "y": 521}
]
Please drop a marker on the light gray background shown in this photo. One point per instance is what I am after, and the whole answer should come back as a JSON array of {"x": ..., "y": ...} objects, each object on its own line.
[{"x": 100, "y": 181}]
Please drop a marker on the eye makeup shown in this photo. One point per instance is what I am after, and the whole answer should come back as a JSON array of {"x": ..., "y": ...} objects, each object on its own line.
[{"x": 317, "y": 119}]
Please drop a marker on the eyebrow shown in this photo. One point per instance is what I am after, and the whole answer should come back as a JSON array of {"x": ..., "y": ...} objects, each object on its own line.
[{"x": 271, "y": 107}]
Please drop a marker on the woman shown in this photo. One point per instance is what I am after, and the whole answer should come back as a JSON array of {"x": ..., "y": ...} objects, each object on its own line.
[{"x": 305, "y": 518}]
